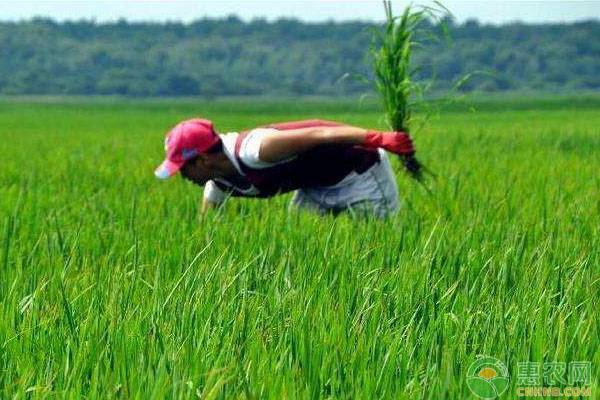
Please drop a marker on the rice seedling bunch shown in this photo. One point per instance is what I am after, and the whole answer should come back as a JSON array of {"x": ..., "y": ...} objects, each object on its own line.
[{"x": 393, "y": 74}]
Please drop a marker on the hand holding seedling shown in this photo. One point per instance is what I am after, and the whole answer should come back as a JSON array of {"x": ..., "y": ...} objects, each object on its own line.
[
  {"x": 396, "y": 142},
  {"x": 395, "y": 83}
]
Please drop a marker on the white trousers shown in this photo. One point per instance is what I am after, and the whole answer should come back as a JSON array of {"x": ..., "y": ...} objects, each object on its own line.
[{"x": 372, "y": 192}]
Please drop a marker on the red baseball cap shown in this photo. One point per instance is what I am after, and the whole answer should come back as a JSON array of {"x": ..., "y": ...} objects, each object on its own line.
[{"x": 185, "y": 141}]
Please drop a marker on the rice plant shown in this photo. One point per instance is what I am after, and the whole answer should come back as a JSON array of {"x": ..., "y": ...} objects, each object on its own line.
[
  {"x": 111, "y": 288},
  {"x": 394, "y": 78}
]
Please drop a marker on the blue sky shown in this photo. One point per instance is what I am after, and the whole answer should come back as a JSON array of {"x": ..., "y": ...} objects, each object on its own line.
[{"x": 307, "y": 10}]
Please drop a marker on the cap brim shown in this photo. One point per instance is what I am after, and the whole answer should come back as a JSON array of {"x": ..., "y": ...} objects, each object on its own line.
[{"x": 167, "y": 169}]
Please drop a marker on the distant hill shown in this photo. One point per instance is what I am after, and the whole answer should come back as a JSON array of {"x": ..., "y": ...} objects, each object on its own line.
[{"x": 212, "y": 57}]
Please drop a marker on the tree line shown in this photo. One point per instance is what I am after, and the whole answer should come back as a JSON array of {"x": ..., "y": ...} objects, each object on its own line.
[{"x": 211, "y": 57}]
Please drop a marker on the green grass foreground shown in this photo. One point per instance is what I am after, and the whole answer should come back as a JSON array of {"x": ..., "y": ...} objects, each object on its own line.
[{"x": 110, "y": 287}]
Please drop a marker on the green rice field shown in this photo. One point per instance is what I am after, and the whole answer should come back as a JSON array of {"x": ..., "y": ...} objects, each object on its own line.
[{"x": 112, "y": 286}]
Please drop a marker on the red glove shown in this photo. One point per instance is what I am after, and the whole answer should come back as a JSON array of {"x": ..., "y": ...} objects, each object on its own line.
[{"x": 395, "y": 142}]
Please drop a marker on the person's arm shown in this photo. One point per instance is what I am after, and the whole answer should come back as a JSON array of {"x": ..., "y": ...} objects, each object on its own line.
[
  {"x": 280, "y": 145},
  {"x": 306, "y": 123},
  {"x": 212, "y": 198},
  {"x": 207, "y": 205}
]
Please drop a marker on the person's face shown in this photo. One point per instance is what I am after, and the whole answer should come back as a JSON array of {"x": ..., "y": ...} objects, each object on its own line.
[{"x": 196, "y": 170}]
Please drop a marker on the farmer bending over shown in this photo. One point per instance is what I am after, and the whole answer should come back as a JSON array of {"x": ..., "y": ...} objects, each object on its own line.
[{"x": 331, "y": 166}]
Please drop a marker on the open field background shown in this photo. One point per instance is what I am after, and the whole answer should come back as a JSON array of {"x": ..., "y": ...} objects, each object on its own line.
[{"x": 110, "y": 286}]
